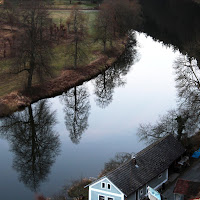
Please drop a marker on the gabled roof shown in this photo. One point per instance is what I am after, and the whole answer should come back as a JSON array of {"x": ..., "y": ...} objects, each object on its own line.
[
  {"x": 189, "y": 189},
  {"x": 152, "y": 161}
]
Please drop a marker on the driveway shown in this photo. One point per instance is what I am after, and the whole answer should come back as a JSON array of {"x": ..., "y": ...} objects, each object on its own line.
[{"x": 192, "y": 173}]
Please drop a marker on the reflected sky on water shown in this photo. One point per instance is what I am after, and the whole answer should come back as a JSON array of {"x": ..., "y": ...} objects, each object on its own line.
[{"x": 140, "y": 93}]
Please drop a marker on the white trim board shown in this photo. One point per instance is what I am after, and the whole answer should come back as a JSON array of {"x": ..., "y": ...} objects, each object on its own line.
[{"x": 105, "y": 192}]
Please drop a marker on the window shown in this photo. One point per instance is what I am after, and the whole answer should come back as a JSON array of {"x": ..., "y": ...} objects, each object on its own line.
[
  {"x": 109, "y": 198},
  {"x": 141, "y": 192},
  {"x": 160, "y": 176},
  {"x": 101, "y": 197},
  {"x": 103, "y": 185},
  {"x": 108, "y": 186}
]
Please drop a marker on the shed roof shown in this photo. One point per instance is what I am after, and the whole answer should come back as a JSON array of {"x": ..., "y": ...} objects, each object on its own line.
[
  {"x": 189, "y": 189},
  {"x": 151, "y": 161}
]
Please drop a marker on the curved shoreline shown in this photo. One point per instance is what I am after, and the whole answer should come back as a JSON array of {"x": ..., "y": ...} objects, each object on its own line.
[{"x": 16, "y": 101}]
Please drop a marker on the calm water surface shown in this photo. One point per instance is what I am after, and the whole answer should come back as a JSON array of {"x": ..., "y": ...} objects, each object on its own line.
[{"x": 89, "y": 128}]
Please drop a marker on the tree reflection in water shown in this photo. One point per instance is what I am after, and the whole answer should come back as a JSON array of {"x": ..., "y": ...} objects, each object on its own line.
[
  {"x": 106, "y": 82},
  {"x": 76, "y": 110},
  {"x": 33, "y": 141},
  {"x": 185, "y": 120},
  {"x": 188, "y": 86}
]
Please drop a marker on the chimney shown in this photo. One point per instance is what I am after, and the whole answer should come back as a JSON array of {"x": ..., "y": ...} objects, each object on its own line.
[{"x": 134, "y": 160}]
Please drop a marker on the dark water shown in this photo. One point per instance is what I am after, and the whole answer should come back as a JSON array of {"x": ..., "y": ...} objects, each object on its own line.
[{"x": 57, "y": 140}]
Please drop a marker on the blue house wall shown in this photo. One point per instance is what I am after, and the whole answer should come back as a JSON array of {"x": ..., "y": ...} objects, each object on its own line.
[
  {"x": 95, "y": 196},
  {"x": 96, "y": 189},
  {"x": 158, "y": 180},
  {"x": 132, "y": 196},
  {"x": 112, "y": 189}
]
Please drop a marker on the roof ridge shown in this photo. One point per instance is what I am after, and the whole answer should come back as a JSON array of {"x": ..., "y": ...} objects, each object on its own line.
[
  {"x": 127, "y": 177},
  {"x": 126, "y": 162},
  {"x": 139, "y": 153},
  {"x": 153, "y": 145}
]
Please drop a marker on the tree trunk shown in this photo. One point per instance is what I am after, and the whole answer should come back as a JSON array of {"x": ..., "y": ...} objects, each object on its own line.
[
  {"x": 30, "y": 76},
  {"x": 75, "y": 55},
  {"x": 75, "y": 99},
  {"x": 104, "y": 46},
  {"x": 76, "y": 40},
  {"x": 33, "y": 136}
]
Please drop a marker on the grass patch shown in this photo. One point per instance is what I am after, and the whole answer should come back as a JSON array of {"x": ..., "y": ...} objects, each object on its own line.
[
  {"x": 59, "y": 16},
  {"x": 10, "y": 82},
  {"x": 65, "y": 4}
]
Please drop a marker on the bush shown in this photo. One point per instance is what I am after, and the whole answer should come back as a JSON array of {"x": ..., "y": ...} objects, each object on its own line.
[{"x": 77, "y": 189}]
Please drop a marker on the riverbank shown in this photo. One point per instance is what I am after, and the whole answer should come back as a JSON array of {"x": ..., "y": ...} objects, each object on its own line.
[{"x": 69, "y": 78}]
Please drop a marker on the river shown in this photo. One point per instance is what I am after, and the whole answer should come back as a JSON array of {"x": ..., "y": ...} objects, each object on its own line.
[{"x": 76, "y": 133}]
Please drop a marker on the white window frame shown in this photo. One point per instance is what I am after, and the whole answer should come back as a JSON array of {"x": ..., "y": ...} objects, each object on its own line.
[
  {"x": 102, "y": 196},
  {"x": 160, "y": 176},
  {"x": 107, "y": 186},
  {"x": 102, "y": 185},
  {"x": 111, "y": 198},
  {"x": 141, "y": 191}
]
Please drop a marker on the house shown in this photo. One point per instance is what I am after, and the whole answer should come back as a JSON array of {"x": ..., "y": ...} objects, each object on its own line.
[
  {"x": 149, "y": 167},
  {"x": 185, "y": 189}
]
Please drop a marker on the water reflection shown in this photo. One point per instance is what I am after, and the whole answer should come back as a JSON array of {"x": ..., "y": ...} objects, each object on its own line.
[
  {"x": 34, "y": 143},
  {"x": 183, "y": 34},
  {"x": 76, "y": 100},
  {"x": 184, "y": 121},
  {"x": 106, "y": 82},
  {"x": 188, "y": 86},
  {"x": 76, "y": 111}
]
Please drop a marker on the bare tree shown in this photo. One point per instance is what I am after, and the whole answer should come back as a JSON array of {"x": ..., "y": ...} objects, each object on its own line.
[
  {"x": 104, "y": 88},
  {"x": 33, "y": 141},
  {"x": 127, "y": 15},
  {"x": 106, "y": 82},
  {"x": 10, "y": 15},
  {"x": 115, "y": 162},
  {"x": 76, "y": 48},
  {"x": 76, "y": 112},
  {"x": 77, "y": 189},
  {"x": 116, "y": 18},
  {"x": 180, "y": 123},
  {"x": 185, "y": 121},
  {"x": 188, "y": 85},
  {"x": 34, "y": 46},
  {"x": 104, "y": 26},
  {"x": 187, "y": 78}
]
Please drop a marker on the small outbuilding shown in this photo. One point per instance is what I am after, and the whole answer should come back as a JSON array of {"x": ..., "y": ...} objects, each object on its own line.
[{"x": 185, "y": 190}]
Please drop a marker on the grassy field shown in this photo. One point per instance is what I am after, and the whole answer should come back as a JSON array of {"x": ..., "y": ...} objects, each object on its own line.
[
  {"x": 60, "y": 62},
  {"x": 65, "y": 4}
]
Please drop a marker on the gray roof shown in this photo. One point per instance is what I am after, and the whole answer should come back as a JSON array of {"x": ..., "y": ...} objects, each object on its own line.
[{"x": 152, "y": 161}]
